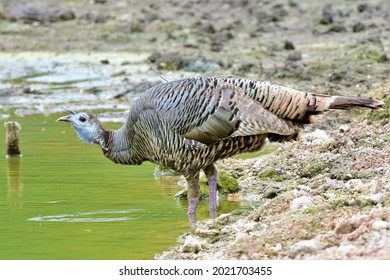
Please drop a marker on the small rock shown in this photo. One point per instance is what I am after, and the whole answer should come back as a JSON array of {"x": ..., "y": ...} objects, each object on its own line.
[
  {"x": 349, "y": 225},
  {"x": 181, "y": 194},
  {"x": 376, "y": 186},
  {"x": 304, "y": 188},
  {"x": 271, "y": 192},
  {"x": 318, "y": 136},
  {"x": 207, "y": 232},
  {"x": 191, "y": 245},
  {"x": 97, "y": 1},
  {"x": 202, "y": 65},
  {"x": 354, "y": 183},
  {"x": 223, "y": 219},
  {"x": 358, "y": 27},
  {"x": 26, "y": 13},
  {"x": 337, "y": 28},
  {"x": 247, "y": 67},
  {"x": 119, "y": 73},
  {"x": 383, "y": 58},
  {"x": 380, "y": 225},
  {"x": 351, "y": 202},
  {"x": 344, "y": 128},
  {"x": 336, "y": 77},
  {"x": 375, "y": 198},
  {"x": 294, "y": 56},
  {"x": 250, "y": 226},
  {"x": 208, "y": 28},
  {"x": 327, "y": 15},
  {"x": 288, "y": 45},
  {"x": 304, "y": 247},
  {"x": 277, "y": 248},
  {"x": 346, "y": 249},
  {"x": 301, "y": 202},
  {"x": 344, "y": 227},
  {"x": 330, "y": 195},
  {"x": 60, "y": 15},
  {"x": 363, "y": 8}
]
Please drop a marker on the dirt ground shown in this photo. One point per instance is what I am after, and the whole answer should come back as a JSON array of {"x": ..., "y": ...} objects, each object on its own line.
[{"x": 327, "y": 197}]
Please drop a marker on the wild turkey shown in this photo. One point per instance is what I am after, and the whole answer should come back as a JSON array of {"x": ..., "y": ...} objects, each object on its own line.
[{"x": 189, "y": 124}]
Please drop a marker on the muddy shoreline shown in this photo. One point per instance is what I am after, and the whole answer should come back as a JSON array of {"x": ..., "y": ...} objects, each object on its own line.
[{"x": 326, "y": 197}]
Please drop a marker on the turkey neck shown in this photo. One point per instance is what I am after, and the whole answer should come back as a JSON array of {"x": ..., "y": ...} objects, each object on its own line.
[{"x": 119, "y": 146}]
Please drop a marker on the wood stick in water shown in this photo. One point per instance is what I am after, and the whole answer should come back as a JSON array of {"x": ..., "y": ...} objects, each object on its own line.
[{"x": 12, "y": 138}]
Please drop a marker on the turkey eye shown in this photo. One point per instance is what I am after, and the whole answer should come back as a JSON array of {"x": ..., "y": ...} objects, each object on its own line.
[{"x": 82, "y": 119}]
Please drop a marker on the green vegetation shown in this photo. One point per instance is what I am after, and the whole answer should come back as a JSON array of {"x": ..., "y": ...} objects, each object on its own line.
[
  {"x": 226, "y": 184},
  {"x": 270, "y": 174}
]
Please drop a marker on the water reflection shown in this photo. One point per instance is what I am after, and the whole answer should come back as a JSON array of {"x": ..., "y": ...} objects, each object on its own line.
[
  {"x": 88, "y": 217},
  {"x": 15, "y": 183}
]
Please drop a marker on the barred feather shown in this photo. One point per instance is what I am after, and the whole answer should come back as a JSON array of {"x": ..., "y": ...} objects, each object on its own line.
[{"x": 189, "y": 124}]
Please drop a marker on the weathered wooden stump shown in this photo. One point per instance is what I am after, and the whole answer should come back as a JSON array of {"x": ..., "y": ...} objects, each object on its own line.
[{"x": 12, "y": 138}]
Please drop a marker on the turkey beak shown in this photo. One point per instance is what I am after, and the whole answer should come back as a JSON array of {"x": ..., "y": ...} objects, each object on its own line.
[{"x": 65, "y": 118}]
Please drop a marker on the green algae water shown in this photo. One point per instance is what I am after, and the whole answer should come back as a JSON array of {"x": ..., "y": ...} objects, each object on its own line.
[{"x": 64, "y": 200}]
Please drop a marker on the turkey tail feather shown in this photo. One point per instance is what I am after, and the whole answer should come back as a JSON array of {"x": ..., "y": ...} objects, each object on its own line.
[{"x": 345, "y": 102}]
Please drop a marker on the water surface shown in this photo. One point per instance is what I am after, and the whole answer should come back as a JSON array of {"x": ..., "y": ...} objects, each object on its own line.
[{"x": 63, "y": 200}]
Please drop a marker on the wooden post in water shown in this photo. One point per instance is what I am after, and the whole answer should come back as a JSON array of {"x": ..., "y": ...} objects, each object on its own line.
[{"x": 12, "y": 138}]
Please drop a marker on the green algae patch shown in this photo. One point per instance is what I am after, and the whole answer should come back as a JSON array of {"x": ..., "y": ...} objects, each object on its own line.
[
  {"x": 226, "y": 184},
  {"x": 270, "y": 174}
]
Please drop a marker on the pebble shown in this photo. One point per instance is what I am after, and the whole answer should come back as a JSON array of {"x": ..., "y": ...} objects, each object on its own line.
[
  {"x": 191, "y": 245},
  {"x": 353, "y": 183},
  {"x": 379, "y": 225},
  {"x": 327, "y": 15},
  {"x": 346, "y": 226},
  {"x": 250, "y": 226},
  {"x": 288, "y": 45},
  {"x": 304, "y": 247},
  {"x": 344, "y": 128},
  {"x": 337, "y": 28},
  {"x": 346, "y": 249},
  {"x": 304, "y": 188},
  {"x": 301, "y": 202},
  {"x": 358, "y": 27},
  {"x": 278, "y": 247},
  {"x": 271, "y": 192},
  {"x": 202, "y": 65},
  {"x": 207, "y": 232},
  {"x": 294, "y": 56},
  {"x": 375, "y": 198},
  {"x": 376, "y": 186},
  {"x": 318, "y": 136}
]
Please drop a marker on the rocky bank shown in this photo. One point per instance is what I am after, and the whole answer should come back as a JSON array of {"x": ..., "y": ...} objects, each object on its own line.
[{"x": 326, "y": 197}]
